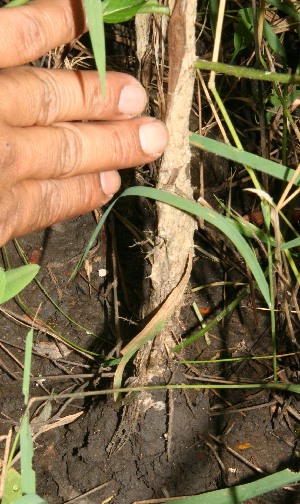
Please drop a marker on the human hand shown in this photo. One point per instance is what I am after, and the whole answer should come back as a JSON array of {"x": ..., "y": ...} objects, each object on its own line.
[{"x": 53, "y": 166}]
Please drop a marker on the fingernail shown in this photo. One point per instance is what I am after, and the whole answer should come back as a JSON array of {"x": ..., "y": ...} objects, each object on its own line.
[
  {"x": 110, "y": 182},
  {"x": 153, "y": 137},
  {"x": 132, "y": 100}
]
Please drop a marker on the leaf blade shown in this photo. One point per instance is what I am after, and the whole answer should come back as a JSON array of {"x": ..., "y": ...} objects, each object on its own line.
[
  {"x": 242, "y": 493},
  {"x": 190, "y": 206},
  {"x": 118, "y": 11},
  {"x": 17, "y": 279},
  {"x": 243, "y": 157},
  {"x": 217, "y": 220},
  {"x": 94, "y": 14}
]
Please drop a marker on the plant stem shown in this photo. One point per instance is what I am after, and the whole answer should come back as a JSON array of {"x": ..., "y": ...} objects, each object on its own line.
[
  {"x": 247, "y": 73},
  {"x": 272, "y": 310},
  {"x": 234, "y": 134}
]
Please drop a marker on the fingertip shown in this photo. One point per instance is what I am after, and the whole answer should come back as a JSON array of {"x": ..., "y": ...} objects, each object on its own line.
[
  {"x": 132, "y": 100},
  {"x": 154, "y": 137},
  {"x": 110, "y": 182}
]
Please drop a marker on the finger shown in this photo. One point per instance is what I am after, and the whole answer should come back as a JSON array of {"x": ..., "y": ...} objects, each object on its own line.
[
  {"x": 71, "y": 149},
  {"x": 63, "y": 95},
  {"x": 29, "y": 31},
  {"x": 34, "y": 205}
]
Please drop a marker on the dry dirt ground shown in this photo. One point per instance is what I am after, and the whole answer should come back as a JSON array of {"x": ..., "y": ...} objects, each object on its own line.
[{"x": 190, "y": 441}]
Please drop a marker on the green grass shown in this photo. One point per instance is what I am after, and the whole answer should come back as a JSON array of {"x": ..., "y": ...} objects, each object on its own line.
[{"x": 21, "y": 488}]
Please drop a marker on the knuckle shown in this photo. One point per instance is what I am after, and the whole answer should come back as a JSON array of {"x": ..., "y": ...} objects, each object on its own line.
[
  {"x": 95, "y": 100},
  {"x": 123, "y": 147},
  {"x": 51, "y": 195},
  {"x": 8, "y": 158},
  {"x": 50, "y": 99},
  {"x": 70, "y": 151},
  {"x": 30, "y": 37}
]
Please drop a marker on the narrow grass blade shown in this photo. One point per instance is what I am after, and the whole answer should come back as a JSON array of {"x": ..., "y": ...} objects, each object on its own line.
[
  {"x": 56, "y": 305},
  {"x": 193, "y": 208},
  {"x": 212, "y": 323},
  {"x": 286, "y": 387},
  {"x": 213, "y": 14},
  {"x": 28, "y": 482},
  {"x": 92, "y": 239},
  {"x": 242, "y": 493},
  {"x": 290, "y": 244},
  {"x": 271, "y": 37},
  {"x": 289, "y": 8},
  {"x": 245, "y": 227},
  {"x": 27, "y": 366},
  {"x": 245, "y": 158},
  {"x": 229, "y": 359},
  {"x": 215, "y": 219},
  {"x": 27, "y": 473},
  {"x": 94, "y": 14},
  {"x": 274, "y": 41},
  {"x": 118, "y": 11}
]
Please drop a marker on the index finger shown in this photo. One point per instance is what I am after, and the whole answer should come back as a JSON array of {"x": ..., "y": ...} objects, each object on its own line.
[{"x": 29, "y": 31}]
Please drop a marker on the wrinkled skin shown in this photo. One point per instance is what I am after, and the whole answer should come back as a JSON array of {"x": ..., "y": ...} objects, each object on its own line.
[{"x": 53, "y": 166}]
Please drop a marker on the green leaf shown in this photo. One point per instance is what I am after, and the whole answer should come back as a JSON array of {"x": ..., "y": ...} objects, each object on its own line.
[
  {"x": 242, "y": 38},
  {"x": 245, "y": 158},
  {"x": 17, "y": 279},
  {"x": 246, "y": 27},
  {"x": 243, "y": 35},
  {"x": 12, "y": 487},
  {"x": 27, "y": 365},
  {"x": 220, "y": 316},
  {"x": 273, "y": 40},
  {"x": 244, "y": 227},
  {"x": 217, "y": 220},
  {"x": 242, "y": 493},
  {"x": 94, "y": 14},
  {"x": 118, "y": 11},
  {"x": 27, "y": 473},
  {"x": 26, "y": 446},
  {"x": 16, "y": 3},
  {"x": 291, "y": 244},
  {"x": 213, "y": 14},
  {"x": 287, "y": 7}
]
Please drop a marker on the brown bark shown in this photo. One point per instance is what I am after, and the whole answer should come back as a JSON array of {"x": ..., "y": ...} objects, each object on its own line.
[
  {"x": 175, "y": 229},
  {"x": 174, "y": 241}
]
